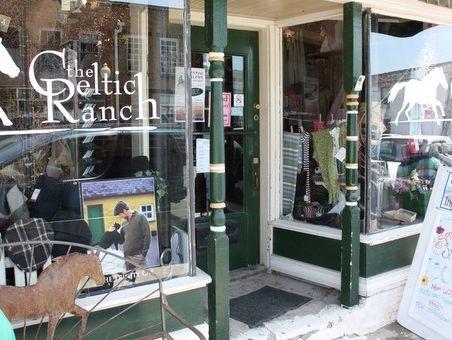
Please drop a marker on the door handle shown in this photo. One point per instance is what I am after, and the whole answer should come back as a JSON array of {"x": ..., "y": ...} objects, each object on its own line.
[{"x": 255, "y": 180}]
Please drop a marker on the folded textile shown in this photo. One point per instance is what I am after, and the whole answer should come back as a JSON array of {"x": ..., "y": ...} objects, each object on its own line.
[
  {"x": 17, "y": 203},
  {"x": 29, "y": 257}
]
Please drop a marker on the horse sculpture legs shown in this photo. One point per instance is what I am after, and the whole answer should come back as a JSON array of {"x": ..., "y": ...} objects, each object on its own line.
[
  {"x": 53, "y": 321},
  {"x": 76, "y": 310}
]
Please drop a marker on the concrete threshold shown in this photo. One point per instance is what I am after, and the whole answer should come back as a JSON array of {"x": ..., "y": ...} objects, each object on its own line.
[{"x": 322, "y": 318}]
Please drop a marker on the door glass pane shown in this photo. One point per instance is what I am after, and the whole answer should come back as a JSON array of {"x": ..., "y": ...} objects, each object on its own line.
[{"x": 234, "y": 112}]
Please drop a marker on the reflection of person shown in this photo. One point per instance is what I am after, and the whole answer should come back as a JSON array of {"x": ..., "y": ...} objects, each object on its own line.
[{"x": 136, "y": 233}]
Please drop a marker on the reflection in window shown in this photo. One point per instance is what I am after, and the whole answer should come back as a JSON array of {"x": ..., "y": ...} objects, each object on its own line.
[
  {"x": 169, "y": 53},
  {"x": 410, "y": 118},
  {"x": 89, "y": 131}
]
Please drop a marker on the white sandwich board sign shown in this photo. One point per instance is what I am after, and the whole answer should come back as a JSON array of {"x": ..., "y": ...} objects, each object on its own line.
[{"x": 426, "y": 307}]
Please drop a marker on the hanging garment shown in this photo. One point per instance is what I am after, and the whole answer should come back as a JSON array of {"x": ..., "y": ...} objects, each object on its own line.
[
  {"x": 48, "y": 201},
  {"x": 324, "y": 155},
  {"x": 295, "y": 63},
  {"x": 291, "y": 156},
  {"x": 67, "y": 226},
  {"x": 305, "y": 164}
]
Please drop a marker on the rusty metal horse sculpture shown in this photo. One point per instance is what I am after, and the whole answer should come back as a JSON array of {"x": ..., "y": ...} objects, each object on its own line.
[{"x": 54, "y": 293}]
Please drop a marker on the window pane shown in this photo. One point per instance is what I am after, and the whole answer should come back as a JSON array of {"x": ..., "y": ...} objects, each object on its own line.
[
  {"x": 313, "y": 123},
  {"x": 89, "y": 142},
  {"x": 410, "y": 124}
]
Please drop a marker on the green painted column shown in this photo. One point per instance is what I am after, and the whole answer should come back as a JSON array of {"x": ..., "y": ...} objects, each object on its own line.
[
  {"x": 218, "y": 243},
  {"x": 350, "y": 215}
]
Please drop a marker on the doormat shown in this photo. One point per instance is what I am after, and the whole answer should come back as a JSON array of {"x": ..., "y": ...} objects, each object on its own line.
[{"x": 264, "y": 304}]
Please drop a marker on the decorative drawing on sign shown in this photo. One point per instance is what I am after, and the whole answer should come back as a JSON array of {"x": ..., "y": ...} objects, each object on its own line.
[
  {"x": 8, "y": 67},
  {"x": 422, "y": 92}
]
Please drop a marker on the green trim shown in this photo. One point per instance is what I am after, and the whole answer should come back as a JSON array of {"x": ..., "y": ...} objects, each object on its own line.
[
  {"x": 218, "y": 244},
  {"x": 189, "y": 305},
  {"x": 350, "y": 216},
  {"x": 387, "y": 256},
  {"x": 316, "y": 250},
  {"x": 326, "y": 252},
  {"x": 353, "y": 48}
]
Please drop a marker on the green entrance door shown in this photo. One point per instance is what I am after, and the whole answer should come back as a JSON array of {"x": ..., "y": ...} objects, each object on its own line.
[
  {"x": 241, "y": 118},
  {"x": 96, "y": 222}
]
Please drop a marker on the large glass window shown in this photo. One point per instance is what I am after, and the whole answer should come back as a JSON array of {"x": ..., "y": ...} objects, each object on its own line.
[
  {"x": 90, "y": 145},
  {"x": 410, "y": 129},
  {"x": 313, "y": 152}
]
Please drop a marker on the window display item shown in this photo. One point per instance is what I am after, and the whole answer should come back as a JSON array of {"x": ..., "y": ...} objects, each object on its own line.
[
  {"x": 400, "y": 215},
  {"x": 53, "y": 297},
  {"x": 291, "y": 157},
  {"x": 17, "y": 203},
  {"x": 324, "y": 155},
  {"x": 29, "y": 257},
  {"x": 67, "y": 226},
  {"x": 110, "y": 202}
]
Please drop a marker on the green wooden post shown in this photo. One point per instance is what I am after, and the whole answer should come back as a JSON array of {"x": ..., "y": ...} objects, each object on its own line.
[
  {"x": 350, "y": 215},
  {"x": 218, "y": 244}
]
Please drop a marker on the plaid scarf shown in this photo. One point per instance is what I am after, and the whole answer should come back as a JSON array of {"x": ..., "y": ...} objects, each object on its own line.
[{"x": 29, "y": 257}]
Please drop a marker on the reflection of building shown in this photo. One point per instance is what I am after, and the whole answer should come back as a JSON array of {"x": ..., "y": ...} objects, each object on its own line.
[{"x": 100, "y": 198}]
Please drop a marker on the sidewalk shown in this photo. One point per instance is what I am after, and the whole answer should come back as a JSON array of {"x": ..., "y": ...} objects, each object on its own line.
[{"x": 322, "y": 318}]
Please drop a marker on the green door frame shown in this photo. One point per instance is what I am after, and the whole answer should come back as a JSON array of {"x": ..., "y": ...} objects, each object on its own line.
[{"x": 245, "y": 44}]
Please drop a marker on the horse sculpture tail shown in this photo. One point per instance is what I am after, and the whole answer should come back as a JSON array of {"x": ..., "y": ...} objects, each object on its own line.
[{"x": 395, "y": 90}]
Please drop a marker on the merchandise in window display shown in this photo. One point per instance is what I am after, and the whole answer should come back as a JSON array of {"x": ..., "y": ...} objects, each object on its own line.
[
  {"x": 108, "y": 203},
  {"x": 313, "y": 114}
]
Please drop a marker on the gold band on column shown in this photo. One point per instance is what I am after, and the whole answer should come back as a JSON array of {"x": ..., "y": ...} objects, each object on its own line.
[
  {"x": 218, "y": 168},
  {"x": 352, "y": 96},
  {"x": 219, "y": 229},
  {"x": 216, "y": 56},
  {"x": 217, "y": 205}
]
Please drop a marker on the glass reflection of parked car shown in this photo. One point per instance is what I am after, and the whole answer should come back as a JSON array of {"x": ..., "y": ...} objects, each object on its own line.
[{"x": 399, "y": 148}]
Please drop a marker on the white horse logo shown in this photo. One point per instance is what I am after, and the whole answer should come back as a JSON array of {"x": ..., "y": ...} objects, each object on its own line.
[
  {"x": 421, "y": 92},
  {"x": 8, "y": 67}
]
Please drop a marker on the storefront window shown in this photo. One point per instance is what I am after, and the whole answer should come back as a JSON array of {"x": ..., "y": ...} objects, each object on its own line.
[
  {"x": 313, "y": 123},
  {"x": 410, "y": 129},
  {"x": 93, "y": 128}
]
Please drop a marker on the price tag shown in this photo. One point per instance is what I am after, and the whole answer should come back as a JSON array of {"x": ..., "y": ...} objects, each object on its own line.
[{"x": 35, "y": 195}]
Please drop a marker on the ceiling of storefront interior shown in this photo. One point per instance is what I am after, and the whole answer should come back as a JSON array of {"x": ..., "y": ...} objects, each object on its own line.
[{"x": 271, "y": 9}]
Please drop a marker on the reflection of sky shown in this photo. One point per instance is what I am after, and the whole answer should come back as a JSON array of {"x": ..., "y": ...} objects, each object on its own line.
[
  {"x": 429, "y": 47},
  {"x": 160, "y": 3}
]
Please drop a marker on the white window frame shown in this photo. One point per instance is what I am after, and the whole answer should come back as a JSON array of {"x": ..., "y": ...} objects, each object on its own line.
[
  {"x": 150, "y": 215},
  {"x": 49, "y": 29},
  {"x": 169, "y": 62},
  {"x": 134, "y": 42}
]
